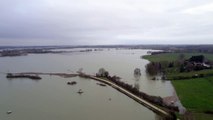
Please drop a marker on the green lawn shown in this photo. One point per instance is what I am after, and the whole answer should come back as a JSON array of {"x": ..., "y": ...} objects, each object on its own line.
[
  {"x": 196, "y": 116},
  {"x": 176, "y": 75},
  {"x": 202, "y": 116},
  {"x": 174, "y": 56},
  {"x": 195, "y": 94}
]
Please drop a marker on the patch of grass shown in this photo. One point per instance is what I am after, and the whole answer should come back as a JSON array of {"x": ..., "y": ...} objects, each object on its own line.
[
  {"x": 195, "y": 116},
  {"x": 174, "y": 56},
  {"x": 176, "y": 75},
  {"x": 195, "y": 94},
  {"x": 202, "y": 116}
]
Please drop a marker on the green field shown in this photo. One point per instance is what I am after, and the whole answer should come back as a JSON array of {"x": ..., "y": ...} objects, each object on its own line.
[
  {"x": 195, "y": 94},
  {"x": 196, "y": 116},
  {"x": 177, "y": 75},
  {"x": 174, "y": 56},
  {"x": 201, "y": 116}
]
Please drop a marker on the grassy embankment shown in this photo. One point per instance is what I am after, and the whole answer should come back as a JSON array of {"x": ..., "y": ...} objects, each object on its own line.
[{"x": 196, "y": 94}]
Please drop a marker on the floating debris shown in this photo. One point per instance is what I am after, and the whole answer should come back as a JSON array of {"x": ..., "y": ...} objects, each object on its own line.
[
  {"x": 9, "y": 112},
  {"x": 71, "y": 83},
  {"x": 101, "y": 84},
  {"x": 80, "y": 91}
]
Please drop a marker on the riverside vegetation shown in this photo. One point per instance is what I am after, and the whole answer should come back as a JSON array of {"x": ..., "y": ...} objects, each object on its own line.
[{"x": 192, "y": 77}]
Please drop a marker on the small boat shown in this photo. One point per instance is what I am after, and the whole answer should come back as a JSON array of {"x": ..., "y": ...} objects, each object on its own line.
[
  {"x": 80, "y": 91},
  {"x": 101, "y": 84}
]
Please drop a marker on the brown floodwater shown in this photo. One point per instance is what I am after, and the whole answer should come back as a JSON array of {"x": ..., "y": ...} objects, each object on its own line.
[{"x": 52, "y": 99}]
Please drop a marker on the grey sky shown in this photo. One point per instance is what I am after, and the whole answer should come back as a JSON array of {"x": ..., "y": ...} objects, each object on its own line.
[{"x": 92, "y": 22}]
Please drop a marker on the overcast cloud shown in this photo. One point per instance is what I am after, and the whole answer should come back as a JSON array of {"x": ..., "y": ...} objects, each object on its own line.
[{"x": 103, "y": 22}]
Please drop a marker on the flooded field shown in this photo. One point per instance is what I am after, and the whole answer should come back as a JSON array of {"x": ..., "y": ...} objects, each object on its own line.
[{"x": 51, "y": 97}]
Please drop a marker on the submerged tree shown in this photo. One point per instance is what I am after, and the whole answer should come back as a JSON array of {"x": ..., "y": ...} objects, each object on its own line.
[
  {"x": 198, "y": 58},
  {"x": 137, "y": 72},
  {"x": 102, "y": 73},
  {"x": 153, "y": 68}
]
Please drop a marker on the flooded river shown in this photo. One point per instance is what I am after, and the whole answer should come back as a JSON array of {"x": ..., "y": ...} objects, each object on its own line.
[{"x": 52, "y": 99}]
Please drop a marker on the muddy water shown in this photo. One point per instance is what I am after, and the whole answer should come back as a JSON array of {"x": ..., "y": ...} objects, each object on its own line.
[{"x": 52, "y": 99}]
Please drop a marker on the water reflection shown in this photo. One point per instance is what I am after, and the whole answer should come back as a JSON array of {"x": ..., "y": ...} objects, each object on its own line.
[
  {"x": 137, "y": 75},
  {"x": 137, "y": 85}
]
